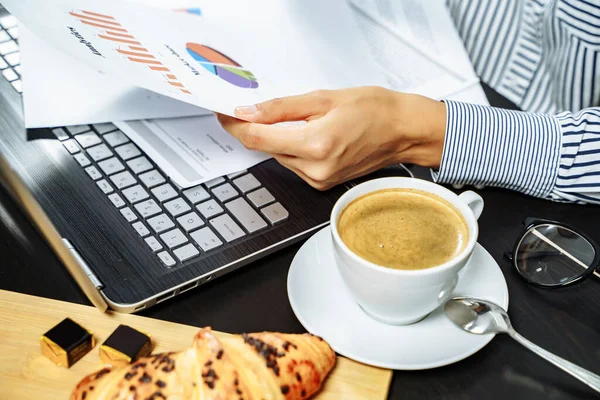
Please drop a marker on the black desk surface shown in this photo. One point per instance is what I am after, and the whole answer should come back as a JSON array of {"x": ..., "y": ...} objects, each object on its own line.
[{"x": 565, "y": 321}]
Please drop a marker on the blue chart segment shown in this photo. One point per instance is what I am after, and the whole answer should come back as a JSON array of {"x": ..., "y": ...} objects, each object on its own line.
[
  {"x": 222, "y": 66},
  {"x": 192, "y": 10}
]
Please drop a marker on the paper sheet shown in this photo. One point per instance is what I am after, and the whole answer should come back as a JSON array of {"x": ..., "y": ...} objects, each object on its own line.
[
  {"x": 191, "y": 150},
  {"x": 256, "y": 58},
  {"x": 61, "y": 90},
  {"x": 418, "y": 48},
  {"x": 89, "y": 96}
]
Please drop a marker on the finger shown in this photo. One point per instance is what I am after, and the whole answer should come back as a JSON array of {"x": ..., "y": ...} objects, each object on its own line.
[
  {"x": 273, "y": 139},
  {"x": 292, "y": 108}
]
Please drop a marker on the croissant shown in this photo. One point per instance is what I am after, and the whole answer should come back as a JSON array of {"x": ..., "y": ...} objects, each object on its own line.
[{"x": 258, "y": 366}]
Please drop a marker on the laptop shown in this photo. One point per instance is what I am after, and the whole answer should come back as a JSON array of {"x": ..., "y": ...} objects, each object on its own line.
[{"x": 128, "y": 235}]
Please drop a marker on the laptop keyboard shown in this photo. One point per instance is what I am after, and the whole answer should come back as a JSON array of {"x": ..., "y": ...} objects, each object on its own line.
[
  {"x": 10, "y": 57},
  {"x": 177, "y": 224}
]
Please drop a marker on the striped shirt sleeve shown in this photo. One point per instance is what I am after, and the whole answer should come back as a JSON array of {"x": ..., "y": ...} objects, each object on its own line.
[{"x": 550, "y": 156}]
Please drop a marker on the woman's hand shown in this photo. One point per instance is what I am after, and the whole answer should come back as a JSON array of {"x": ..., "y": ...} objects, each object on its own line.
[{"x": 347, "y": 133}]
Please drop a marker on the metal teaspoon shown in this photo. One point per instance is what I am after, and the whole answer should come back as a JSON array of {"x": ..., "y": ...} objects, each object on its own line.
[{"x": 481, "y": 317}]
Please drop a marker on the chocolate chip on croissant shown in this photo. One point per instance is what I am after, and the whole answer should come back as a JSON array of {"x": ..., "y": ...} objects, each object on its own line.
[{"x": 264, "y": 365}]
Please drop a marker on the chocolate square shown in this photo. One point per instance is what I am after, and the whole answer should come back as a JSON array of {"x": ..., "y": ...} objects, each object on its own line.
[
  {"x": 66, "y": 343},
  {"x": 125, "y": 345}
]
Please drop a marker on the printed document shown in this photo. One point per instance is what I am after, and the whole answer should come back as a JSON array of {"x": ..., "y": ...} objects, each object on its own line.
[
  {"x": 88, "y": 96},
  {"x": 191, "y": 150},
  {"x": 417, "y": 47},
  {"x": 214, "y": 62},
  {"x": 61, "y": 90}
]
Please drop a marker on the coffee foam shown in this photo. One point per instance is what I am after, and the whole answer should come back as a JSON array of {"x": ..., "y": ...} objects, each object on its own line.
[{"x": 403, "y": 229}]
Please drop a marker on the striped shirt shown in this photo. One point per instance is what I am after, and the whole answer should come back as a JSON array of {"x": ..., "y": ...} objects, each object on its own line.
[{"x": 544, "y": 55}]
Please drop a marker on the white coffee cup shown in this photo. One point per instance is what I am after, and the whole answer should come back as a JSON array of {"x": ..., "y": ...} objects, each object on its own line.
[{"x": 402, "y": 297}]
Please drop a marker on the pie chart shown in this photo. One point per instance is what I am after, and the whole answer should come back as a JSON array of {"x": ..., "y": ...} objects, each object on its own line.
[{"x": 222, "y": 66}]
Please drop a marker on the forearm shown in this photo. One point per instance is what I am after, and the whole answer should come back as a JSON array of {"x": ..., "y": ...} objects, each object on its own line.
[{"x": 526, "y": 152}]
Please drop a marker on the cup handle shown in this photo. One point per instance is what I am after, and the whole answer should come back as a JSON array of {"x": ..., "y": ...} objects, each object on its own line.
[{"x": 474, "y": 201}]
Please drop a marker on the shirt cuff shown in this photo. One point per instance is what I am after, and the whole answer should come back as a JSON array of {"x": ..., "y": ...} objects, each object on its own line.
[{"x": 491, "y": 146}]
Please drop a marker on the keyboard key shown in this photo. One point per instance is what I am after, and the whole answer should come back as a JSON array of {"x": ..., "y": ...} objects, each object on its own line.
[
  {"x": 152, "y": 178},
  {"x": 160, "y": 223},
  {"x": 111, "y": 166},
  {"x": 190, "y": 221},
  {"x": 177, "y": 207},
  {"x": 196, "y": 194},
  {"x": 246, "y": 183},
  {"x": 173, "y": 238},
  {"x": 141, "y": 229},
  {"x": 164, "y": 192},
  {"x": 139, "y": 165},
  {"x": 10, "y": 75},
  {"x": 88, "y": 139},
  {"x": 227, "y": 227},
  {"x": 71, "y": 146},
  {"x": 60, "y": 134},
  {"x": 206, "y": 239},
  {"x": 224, "y": 192},
  {"x": 104, "y": 128},
  {"x": 153, "y": 243},
  {"x": 236, "y": 174},
  {"x": 8, "y": 21},
  {"x": 3, "y": 63},
  {"x": 4, "y": 37},
  {"x": 14, "y": 32},
  {"x": 166, "y": 259},
  {"x": 116, "y": 200},
  {"x": 135, "y": 194},
  {"x": 115, "y": 139},
  {"x": 275, "y": 213},
  {"x": 214, "y": 182},
  {"x": 209, "y": 208},
  {"x": 18, "y": 85},
  {"x": 8, "y": 47},
  {"x": 186, "y": 252},
  {"x": 261, "y": 197},
  {"x": 100, "y": 152},
  {"x": 245, "y": 214},
  {"x": 128, "y": 151},
  {"x": 148, "y": 208},
  {"x": 93, "y": 173},
  {"x": 13, "y": 59},
  {"x": 128, "y": 214},
  {"x": 82, "y": 159},
  {"x": 123, "y": 180},
  {"x": 77, "y": 129},
  {"x": 105, "y": 186}
]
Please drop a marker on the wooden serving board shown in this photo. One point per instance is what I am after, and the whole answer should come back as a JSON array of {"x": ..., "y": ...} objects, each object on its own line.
[{"x": 26, "y": 374}]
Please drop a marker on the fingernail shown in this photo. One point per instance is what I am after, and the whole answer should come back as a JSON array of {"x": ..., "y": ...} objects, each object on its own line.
[{"x": 246, "y": 110}]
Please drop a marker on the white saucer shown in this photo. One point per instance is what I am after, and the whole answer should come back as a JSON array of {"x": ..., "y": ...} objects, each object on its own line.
[{"x": 325, "y": 308}]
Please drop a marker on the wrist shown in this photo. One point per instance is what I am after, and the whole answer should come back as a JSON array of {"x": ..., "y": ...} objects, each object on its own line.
[{"x": 421, "y": 130}]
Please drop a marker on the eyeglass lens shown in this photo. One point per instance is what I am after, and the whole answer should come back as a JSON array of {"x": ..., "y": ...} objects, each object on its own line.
[{"x": 552, "y": 255}]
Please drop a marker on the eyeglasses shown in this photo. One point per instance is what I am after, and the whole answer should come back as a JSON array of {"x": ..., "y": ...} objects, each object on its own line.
[{"x": 550, "y": 254}]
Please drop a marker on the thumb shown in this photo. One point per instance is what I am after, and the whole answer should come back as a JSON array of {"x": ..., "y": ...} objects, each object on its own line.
[{"x": 283, "y": 109}]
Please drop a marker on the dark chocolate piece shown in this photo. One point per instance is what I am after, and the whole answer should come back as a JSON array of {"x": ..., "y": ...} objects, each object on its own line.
[
  {"x": 125, "y": 345},
  {"x": 66, "y": 343}
]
